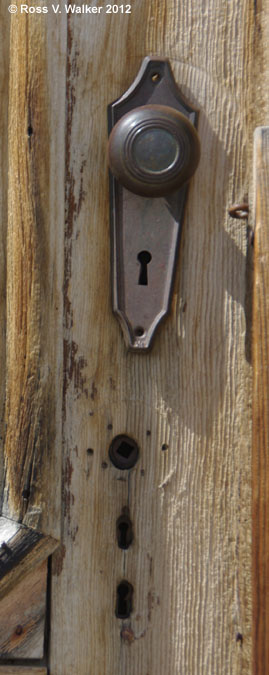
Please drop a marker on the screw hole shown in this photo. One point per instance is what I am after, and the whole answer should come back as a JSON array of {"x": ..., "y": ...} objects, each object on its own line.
[
  {"x": 155, "y": 77},
  {"x": 139, "y": 331},
  {"x": 124, "y": 604}
]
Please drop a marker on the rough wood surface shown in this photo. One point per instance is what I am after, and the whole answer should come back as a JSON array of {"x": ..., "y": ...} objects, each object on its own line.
[
  {"x": 260, "y": 466},
  {"x": 32, "y": 489},
  {"x": 4, "y": 82},
  {"x": 188, "y": 402},
  {"x": 22, "y": 617},
  {"x": 22, "y": 670},
  {"x": 21, "y": 550}
]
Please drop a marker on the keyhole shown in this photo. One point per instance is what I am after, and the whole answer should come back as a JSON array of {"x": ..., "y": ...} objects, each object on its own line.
[
  {"x": 144, "y": 257},
  {"x": 124, "y": 532},
  {"x": 124, "y": 604}
]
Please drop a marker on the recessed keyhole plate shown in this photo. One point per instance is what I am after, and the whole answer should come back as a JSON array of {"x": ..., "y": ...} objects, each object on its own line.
[{"x": 146, "y": 226}]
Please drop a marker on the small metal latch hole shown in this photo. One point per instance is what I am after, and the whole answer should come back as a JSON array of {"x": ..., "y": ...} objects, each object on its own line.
[
  {"x": 123, "y": 452},
  {"x": 124, "y": 604},
  {"x": 144, "y": 257},
  {"x": 124, "y": 532}
]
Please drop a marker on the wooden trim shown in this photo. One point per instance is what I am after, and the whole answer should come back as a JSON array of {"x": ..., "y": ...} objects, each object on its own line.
[
  {"x": 260, "y": 457},
  {"x": 21, "y": 550}
]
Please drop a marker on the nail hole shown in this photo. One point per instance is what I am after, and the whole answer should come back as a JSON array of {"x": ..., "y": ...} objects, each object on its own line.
[
  {"x": 148, "y": 432},
  {"x": 26, "y": 493},
  {"x": 30, "y": 130},
  {"x": 110, "y": 426},
  {"x": 155, "y": 77},
  {"x": 124, "y": 531},
  {"x": 239, "y": 638},
  {"x": 124, "y": 603},
  {"x": 123, "y": 452},
  {"x": 164, "y": 446},
  {"x": 90, "y": 451},
  {"x": 19, "y": 630},
  {"x": 104, "y": 465},
  {"x": 139, "y": 331}
]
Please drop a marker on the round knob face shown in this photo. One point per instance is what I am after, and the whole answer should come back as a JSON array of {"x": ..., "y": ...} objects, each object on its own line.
[{"x": 153, "y": 150}]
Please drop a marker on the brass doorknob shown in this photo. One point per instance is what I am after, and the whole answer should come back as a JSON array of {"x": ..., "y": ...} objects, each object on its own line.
[{"x": 153, "y": 150}]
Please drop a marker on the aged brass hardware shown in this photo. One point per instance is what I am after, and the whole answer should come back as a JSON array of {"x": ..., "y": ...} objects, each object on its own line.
[{"x": 153, "y": 151}]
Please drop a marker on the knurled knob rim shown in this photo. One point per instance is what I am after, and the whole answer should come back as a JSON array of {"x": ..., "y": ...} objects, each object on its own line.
[{"x": 153, "y": 150}]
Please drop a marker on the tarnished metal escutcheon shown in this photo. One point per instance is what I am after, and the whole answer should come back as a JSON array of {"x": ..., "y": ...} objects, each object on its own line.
[{"x": 153, "y": 151}]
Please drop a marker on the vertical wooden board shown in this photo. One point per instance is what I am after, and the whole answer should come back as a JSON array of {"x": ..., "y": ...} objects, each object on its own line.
[
  {"x": 260, "y": 469},
  {"x": 4, "y": 70},
  {"x": 190, "y": 503},
  {"x": 32, "y": 488},
  {"x": 22, "y": 617}
]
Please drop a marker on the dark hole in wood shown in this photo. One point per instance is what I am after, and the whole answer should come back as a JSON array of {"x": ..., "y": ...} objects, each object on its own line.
[
  {"x": 124, "y": 604},
  {"x": 125, "y": 449},
  {"x": 144, "y": 257},
  {"x": 124, "y": 530},
  {"x": 30, "y": 130},
  {"x": 26, "y": 493},
  {"x": 123, "y": 452}
]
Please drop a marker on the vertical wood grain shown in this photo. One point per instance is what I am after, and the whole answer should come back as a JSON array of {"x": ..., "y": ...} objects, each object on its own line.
[
  {"x": 190, "y": 563},
  {"x": 32, "y": 488},
  {"x": 4, "y": 81},
  {"x": 22, "y": 617},
  {"x": 260, "y": 462}
]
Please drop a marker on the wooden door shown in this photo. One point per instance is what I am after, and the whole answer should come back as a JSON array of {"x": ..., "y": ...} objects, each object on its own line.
[{"x": 69, "y": 385}]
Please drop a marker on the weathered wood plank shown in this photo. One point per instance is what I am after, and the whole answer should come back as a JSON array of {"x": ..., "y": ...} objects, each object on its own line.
[
  {"x": 34, "y": 274},
  {"x": 260, "y": 456},
  {"x": 22, "y": 617},
  {"x": 4, "y": 81},
  {"x": 21, "y": 550},
  {"x": 190, "y": 563},
  {"x": 22, "y": 670}
]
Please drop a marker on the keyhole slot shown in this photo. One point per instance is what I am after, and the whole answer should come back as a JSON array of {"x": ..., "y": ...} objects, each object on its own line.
[
  {"x": 144, "y": 257},
  {"x": 124, "y": 604},
  {"x": 124, "y": 532}
]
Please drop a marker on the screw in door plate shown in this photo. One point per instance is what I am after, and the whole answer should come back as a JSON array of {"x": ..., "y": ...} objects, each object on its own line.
[{"x": 123, "y": 452}]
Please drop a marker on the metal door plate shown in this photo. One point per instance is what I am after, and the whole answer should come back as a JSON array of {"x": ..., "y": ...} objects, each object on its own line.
[{"x": 142, "y": 298}]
